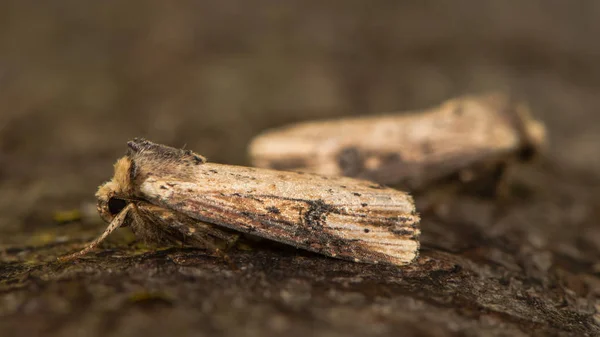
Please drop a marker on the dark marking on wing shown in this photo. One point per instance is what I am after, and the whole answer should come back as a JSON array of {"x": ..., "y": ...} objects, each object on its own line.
[
  {"x": 403, "y": 232},
  {"x": 350, "y": 161},
  {"x": 274, "y": 210},
  {"x": 316, "y": 214}
]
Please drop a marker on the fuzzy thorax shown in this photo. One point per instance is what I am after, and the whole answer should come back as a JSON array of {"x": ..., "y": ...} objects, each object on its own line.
[{"x": 119, "y": 186}]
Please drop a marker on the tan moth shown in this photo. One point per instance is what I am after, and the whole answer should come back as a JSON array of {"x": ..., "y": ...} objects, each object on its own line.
[
  {"x": 465, "y": 136},
  {"x": 172, "y": 196}
]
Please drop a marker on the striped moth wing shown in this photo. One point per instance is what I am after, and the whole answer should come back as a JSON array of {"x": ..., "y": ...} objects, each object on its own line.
[
  {"x": 335, "y": 216},
  {"x": 412, "y": 150}
]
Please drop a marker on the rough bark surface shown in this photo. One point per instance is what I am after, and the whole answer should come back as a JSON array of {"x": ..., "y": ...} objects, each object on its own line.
[{"x": 78, "y": 79}]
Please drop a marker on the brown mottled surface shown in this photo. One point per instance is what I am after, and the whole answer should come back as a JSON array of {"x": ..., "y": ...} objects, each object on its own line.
[{"x": 78, "y": 79}]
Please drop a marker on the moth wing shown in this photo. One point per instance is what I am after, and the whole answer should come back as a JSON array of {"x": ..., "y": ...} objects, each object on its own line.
[
  {"x": 407, "y": 148},
  {"x": 335, "y": 216}
]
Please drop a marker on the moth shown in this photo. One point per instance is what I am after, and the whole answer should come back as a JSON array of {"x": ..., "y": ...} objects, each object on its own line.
[
  {"x": 466, "y": 137},
  {"x": 173, "y": 196}
]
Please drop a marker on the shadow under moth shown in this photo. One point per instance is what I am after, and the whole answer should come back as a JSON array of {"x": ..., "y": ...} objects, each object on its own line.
[{"x": 173, "y": 196}]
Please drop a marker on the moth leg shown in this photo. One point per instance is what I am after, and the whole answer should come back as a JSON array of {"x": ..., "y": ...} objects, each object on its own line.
[
  {"x": 229, "y": 239},
  {"x": 232, "y": 241},
  {"x": 116, "y": 222},
  {"x": 206, "y": 238},
  {"x": 161, "y": 226}
]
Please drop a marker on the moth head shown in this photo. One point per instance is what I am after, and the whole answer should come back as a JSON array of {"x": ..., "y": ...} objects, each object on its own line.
[{"x": 114, "y": 195}]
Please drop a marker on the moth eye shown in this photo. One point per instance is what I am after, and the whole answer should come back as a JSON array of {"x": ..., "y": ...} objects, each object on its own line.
[{"x": 116, "y": 205}]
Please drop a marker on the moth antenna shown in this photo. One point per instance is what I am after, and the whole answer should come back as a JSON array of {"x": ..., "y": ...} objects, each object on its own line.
[{"x": 114, "y": 224}]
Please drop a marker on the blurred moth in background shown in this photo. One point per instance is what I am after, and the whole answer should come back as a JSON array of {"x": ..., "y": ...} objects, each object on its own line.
[
  {"x": 465, "y": 138},
  {"x": 172, "y": 196}
]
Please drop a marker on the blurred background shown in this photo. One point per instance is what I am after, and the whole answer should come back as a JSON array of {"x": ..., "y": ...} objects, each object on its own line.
[{"x": 80, "y": 78}]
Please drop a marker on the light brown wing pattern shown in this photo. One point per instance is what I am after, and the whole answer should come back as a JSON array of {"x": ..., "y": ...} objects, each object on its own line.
[
  {"x": 410, "y": 149},
  {"x": 335, "y": 216}
]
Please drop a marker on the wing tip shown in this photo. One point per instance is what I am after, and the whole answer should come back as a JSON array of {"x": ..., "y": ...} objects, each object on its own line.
[{"x": 397, "y": 255}]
